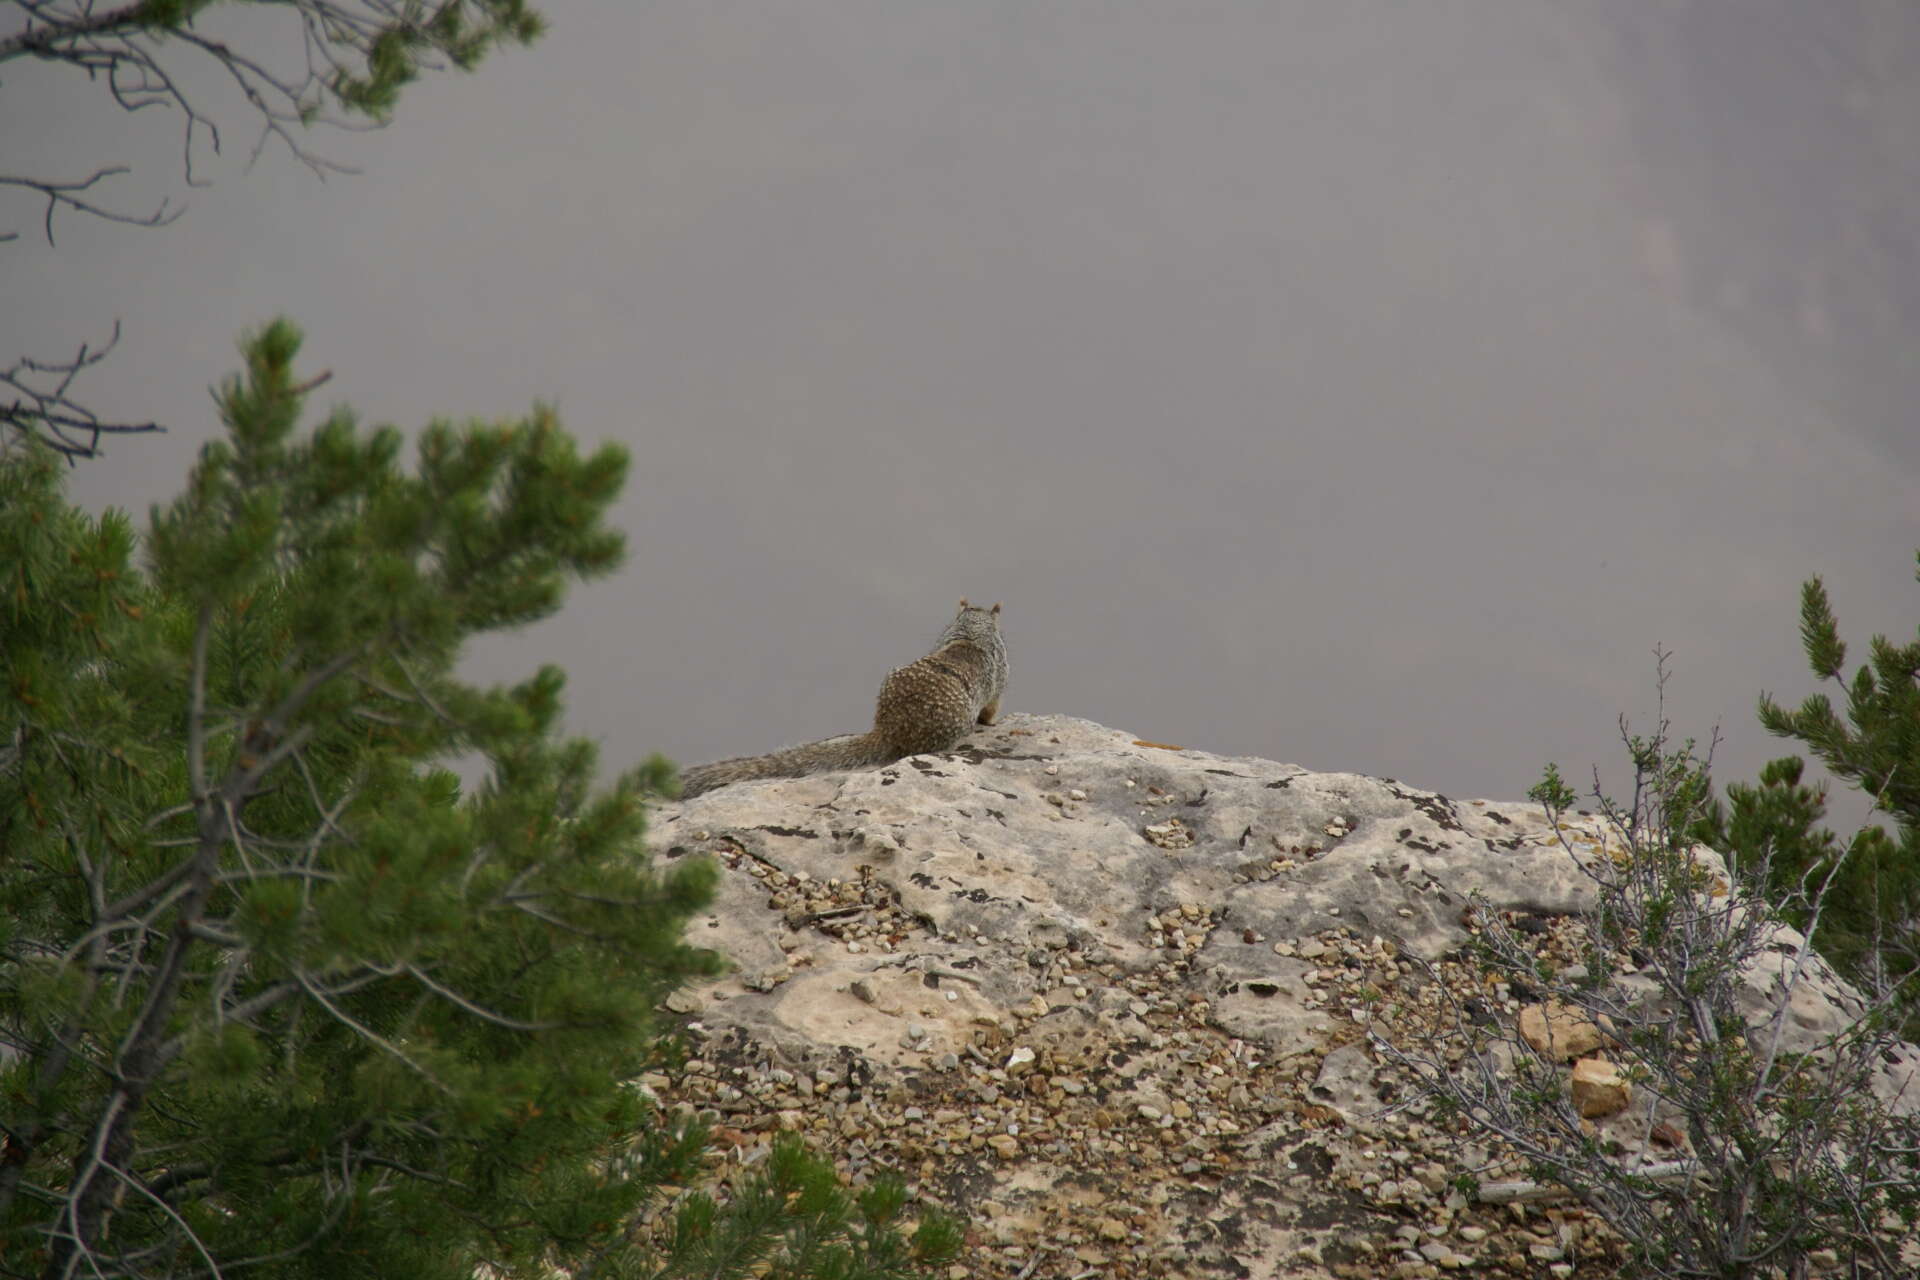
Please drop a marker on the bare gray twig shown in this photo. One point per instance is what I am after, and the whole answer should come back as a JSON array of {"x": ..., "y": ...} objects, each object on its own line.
[
  {"x": 43, "y": 408},
  {"x": 1782, "y": 1153}
]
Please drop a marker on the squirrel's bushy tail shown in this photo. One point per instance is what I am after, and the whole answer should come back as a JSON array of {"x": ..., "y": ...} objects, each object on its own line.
[{"x": 848, "y": 751}]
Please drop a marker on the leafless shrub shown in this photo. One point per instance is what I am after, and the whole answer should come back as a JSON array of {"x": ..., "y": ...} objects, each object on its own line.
[{"x": 1789, "y": 1154}]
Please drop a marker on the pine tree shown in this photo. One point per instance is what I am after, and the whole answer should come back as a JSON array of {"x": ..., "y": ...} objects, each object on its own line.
[
  {"x": 278, "y": 994},
  {"x": 1869, "y": 922}
]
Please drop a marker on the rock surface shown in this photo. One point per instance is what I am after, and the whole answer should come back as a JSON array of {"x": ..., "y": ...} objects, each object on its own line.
[
  {"x": 1559, "y": 1032},
  {"x": 1111, "y": 999},
  {"x": 1599, "y": 1089}
]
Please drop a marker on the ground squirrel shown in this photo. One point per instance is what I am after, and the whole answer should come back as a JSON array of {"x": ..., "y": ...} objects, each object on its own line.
[{"x": 927, "y": 705}]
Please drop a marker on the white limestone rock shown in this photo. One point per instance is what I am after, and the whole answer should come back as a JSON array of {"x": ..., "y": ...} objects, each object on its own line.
[{"x": 1026, "y": 891}]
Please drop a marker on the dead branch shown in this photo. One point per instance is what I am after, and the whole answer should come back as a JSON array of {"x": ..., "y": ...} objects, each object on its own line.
[{"x": 44, "y": 409}]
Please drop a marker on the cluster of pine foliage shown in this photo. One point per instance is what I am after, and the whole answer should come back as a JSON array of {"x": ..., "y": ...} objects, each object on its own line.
[
  {"x": 277, "y": 993},
  {"x": 1868, "y": 884}
]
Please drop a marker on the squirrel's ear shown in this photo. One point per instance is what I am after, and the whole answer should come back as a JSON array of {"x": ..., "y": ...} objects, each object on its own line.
[
  {"x": 996, "y": 608},
  {"x": 963, "y": 602}
]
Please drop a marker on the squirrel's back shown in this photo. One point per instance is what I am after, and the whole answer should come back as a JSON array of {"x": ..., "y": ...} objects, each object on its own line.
[{"x": 928, "y": 705}]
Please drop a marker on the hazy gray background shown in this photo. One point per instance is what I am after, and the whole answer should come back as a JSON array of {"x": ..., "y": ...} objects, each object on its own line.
[{"x": 1364, "y": 385}]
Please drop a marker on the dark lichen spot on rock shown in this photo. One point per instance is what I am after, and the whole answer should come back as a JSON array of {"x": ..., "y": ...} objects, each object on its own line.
[
  {"x": 1312, "y": 1157},
  {"x": 1435, "y": 806}
]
